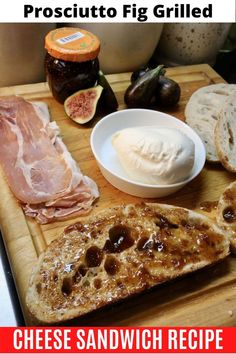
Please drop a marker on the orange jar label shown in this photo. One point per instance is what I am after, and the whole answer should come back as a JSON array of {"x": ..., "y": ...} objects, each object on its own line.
[{"x": 72, "y": 44}]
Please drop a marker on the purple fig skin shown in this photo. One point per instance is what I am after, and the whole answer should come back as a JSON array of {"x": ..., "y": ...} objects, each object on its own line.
[
  {"x": 108, "y": 99},
  {"x": 140, "y": 93},
  {"x": 168, "y": 92}
]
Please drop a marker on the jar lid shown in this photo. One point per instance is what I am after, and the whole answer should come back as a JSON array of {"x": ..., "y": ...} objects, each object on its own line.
[{"x": 72, "y": 44}]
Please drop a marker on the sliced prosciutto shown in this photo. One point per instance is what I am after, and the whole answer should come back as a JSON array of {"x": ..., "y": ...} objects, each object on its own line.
[{"x": 40, "y": 170}]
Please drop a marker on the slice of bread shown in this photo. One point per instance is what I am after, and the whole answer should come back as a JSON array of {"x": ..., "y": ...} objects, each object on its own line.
[
  {"x": 120, "y": 252},
  {"x": 202, "y": 113},
  {"x": 226, "y": 213},
  {"x": 225, "y": 134}
]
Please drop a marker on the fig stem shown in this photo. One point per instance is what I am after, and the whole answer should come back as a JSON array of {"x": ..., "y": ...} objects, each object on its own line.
[{"x": 160, "y": 70}]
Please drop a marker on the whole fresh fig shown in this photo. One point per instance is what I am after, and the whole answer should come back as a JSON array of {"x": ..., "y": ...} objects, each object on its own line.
[
  {"x": 140, "y": 93},
  {"x": 139, "y": 73},
  {"x": 108, "y": 98},
  {"x": 167, "y": 93}
]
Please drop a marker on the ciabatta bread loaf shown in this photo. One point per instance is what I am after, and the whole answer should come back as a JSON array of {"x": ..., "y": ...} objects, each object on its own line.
[
  {"x": 202, "y": 113},
  {"x": 120, "y": 252},
  {"x": 226, "y": 213},
  {"x": 225, "y": 134}
]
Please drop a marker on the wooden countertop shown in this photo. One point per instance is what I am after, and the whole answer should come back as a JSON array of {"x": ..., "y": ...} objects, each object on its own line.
[{"x": 207, "y": 297}]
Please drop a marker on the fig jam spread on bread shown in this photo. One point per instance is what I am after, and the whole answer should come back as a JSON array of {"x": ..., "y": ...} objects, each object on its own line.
[
  {"x": 118, "y": 253},
  {"x": 226, "y": 213}
]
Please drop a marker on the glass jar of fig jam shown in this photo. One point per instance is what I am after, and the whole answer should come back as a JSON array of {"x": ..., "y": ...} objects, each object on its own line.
[{"x": 71, "y": 62}]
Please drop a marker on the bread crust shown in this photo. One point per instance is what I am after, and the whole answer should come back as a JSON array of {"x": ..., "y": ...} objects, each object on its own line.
[
  {"x": 202, "y": 113},
  {"x": 225, "y": 134},
  {"x": 118, "y": 253}
]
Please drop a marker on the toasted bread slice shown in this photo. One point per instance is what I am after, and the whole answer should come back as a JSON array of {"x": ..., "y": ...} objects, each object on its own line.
[
  {"x": 225, "y": 134},
  {"x": 226, "y": 213},
  {"x": 120, "y": 252},
  {"x": 202, "y": 113}
]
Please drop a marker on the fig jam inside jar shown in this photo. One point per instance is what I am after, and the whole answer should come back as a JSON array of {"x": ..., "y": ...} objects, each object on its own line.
[{"x": 71, "y": 62}]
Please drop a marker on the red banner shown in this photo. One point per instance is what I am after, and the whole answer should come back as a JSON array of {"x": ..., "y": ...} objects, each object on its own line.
[{"x": 117, "y": 340}]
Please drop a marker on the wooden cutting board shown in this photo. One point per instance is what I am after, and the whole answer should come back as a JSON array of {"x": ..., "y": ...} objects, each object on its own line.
[{"x": 207, "y": 297}]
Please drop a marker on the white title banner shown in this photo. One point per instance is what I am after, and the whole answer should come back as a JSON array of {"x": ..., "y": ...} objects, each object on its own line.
[{"x": 117, "y": 11}]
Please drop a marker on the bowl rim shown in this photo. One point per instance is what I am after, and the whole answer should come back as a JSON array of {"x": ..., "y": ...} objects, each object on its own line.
[{"x": 145, "y": 185}]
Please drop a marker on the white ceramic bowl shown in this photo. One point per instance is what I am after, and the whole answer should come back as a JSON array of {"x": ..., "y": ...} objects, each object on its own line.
[{"x": 101, "y": 144}]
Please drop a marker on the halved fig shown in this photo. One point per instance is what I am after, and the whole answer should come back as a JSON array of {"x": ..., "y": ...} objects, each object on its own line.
[{"x": 81, "y": 106}]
